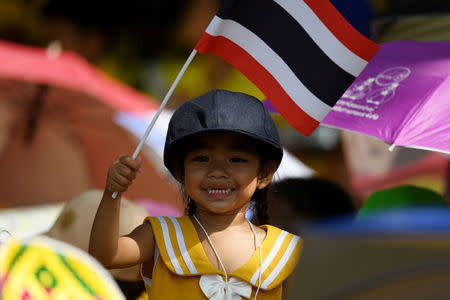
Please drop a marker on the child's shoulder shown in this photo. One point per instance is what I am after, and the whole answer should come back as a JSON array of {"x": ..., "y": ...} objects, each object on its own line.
[
  {"x": 279, "y": 238},
  {"x": 276, "y": 232},
  {"x": 281, "y": 253},
  {"x": 178, "y": 245},
  {"x": 164, "y": 223}
]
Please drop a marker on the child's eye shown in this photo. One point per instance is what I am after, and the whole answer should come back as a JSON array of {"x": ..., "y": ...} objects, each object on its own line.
[
  {"x": 200, "y": 158},
  {"x": 237, "y": 160}
]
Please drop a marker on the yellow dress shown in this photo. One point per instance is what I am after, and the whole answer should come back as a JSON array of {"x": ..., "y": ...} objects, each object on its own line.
[{"x": 180, "y": 261}]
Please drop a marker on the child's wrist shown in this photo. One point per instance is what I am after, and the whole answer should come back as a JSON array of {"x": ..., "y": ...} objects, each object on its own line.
[{"x": 109, "y": 193}]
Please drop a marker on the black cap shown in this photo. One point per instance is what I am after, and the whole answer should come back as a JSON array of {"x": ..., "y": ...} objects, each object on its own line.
[{"x": 221, "y": 110}]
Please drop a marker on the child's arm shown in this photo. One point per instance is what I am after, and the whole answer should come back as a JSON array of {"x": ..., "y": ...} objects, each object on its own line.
[{"x": 105, "y": 244}]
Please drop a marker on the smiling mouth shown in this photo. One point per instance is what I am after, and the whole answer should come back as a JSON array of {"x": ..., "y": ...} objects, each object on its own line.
[{"x": 218, "y": 192}]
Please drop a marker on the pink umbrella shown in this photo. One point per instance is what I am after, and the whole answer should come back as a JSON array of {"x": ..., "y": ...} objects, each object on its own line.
[
  {"x": 68, "y": 70},
  {"x": 57, "y": 134}
]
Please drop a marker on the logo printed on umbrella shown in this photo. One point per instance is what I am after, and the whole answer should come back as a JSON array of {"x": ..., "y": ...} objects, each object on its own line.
[{"x": 366, "y": 95}]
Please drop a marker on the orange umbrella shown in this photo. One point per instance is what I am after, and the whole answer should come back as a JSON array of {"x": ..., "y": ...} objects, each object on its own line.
[{"x": 57, "y": 134}]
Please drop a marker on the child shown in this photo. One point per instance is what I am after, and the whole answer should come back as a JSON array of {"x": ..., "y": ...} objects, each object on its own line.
[{"x": 223, "y": 147}]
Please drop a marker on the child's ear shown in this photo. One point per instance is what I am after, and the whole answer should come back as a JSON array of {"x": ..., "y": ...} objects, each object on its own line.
[{"x": 267, "y": 174}]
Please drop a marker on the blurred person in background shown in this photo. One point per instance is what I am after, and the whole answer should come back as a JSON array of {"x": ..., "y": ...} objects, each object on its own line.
[
  {"x": 119, "y": 37},
  {"x": 411, "y": 20},
  {"x": 294, "y": 202},
  {"x": 205, "y": 73}
]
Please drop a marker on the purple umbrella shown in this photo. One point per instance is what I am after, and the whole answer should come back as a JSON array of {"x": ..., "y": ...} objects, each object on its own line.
[{"x": 401, "y": 97}]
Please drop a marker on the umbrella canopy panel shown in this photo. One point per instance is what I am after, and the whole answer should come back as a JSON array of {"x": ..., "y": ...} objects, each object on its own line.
[{"x": 56, "y": 143}]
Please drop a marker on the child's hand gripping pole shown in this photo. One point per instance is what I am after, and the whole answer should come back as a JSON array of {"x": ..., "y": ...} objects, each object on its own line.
[{"x": 163, "y": 104}]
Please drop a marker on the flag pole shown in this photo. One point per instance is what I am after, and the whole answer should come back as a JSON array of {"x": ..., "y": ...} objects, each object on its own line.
[{"x": 163, "y": 104}]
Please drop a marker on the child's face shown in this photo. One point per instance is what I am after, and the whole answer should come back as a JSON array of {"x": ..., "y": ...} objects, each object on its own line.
[{"x": 222, "y": 172}]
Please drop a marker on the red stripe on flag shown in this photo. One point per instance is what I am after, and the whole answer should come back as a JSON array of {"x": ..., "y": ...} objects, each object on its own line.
[
  {"x": 342, "y": 30},
  {"x": 256, "y": 73}
]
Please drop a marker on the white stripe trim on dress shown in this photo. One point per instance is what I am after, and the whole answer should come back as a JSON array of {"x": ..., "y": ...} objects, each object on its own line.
[
  {"x": 182, "y": 246},
  {"x": 273, "y": 252},
  {"x": 148, "y": 280},
  {"x": 169, "y": 248},
  {"x": 155, "y": 259},
  {"x": 284, "y": 259},
  {"x": 324, "y": 38},
  {"x": 273, "y": 63}
]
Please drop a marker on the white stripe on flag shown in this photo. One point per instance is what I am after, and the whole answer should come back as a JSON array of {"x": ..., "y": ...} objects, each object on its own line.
[
  {"x": 276, "y": 247},
  {"x": 273, "y": 63},
  {"x": 330, "y": 45},
  {"x": 182, "y": 245},
  {"x": 169, "y": 248},
  {"x": 281, "y": 263}
]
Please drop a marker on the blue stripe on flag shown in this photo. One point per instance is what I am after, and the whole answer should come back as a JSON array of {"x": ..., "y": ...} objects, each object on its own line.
[{"x": 281, "y": 32}]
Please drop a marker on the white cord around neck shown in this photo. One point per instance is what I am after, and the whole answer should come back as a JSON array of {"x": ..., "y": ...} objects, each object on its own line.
[
  {"x": 220, "y": 261},
  {"x": 212, "y": 246}
]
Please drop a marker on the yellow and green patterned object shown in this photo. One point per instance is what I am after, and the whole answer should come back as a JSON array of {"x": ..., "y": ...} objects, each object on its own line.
[{"x": 43, "y": 268}]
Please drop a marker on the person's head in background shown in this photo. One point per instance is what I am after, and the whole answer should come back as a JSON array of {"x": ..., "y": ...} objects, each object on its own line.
[
  {"x": 75, "y": 221},
  {"x": 296, "y": 201}
]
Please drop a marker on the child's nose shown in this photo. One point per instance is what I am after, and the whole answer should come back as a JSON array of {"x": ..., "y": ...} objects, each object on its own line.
[{"x": 218, "y": 169}]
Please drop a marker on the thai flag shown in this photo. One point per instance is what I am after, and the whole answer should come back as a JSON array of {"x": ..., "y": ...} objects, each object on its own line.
[{"x": 302, "y": 55}]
